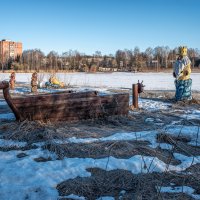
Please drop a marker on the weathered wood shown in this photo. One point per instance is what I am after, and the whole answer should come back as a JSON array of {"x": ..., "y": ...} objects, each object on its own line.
[
  {"x": 85, "y": 114},
  {"x": 51, "y": 108},
  {"x": 61, "y": 108},
  {"x": 75, "y": 109},
  {"x": 53, "y": 97},
  {"x": 74, "y": 101},
  {"x": 66, "y": 105},
  {"x": 135, "y": 95}
]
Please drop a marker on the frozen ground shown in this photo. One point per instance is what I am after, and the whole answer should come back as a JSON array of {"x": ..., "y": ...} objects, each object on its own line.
[
  {"x": 156, "y": 81},
  {"x": 154, "y": 153}
]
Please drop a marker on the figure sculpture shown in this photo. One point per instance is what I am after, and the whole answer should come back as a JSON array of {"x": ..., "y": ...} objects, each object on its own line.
[
  {"x": 12, "y": 81},
  {"x": 34, "y": 82},
  {"x": 181, "y": 73},
  {"x": 54, "y": 82}
]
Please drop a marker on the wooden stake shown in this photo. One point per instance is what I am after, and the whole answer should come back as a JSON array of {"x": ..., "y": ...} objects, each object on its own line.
[{"x": 135, "y": 95}]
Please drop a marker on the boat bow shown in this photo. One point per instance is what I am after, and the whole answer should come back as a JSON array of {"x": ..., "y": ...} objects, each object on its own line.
[{"x": 4, "y": 85}]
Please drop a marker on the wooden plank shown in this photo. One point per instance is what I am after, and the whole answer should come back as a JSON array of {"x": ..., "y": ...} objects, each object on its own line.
[
  {"x": 77, "y": 108},
  {"x": 78, "y": 101},
  {"x": 71, "y": 117},
  {"x": 51, "y": 97},
  {"x": 84, "y": 112},
  {"x": 66, "y": 98}
]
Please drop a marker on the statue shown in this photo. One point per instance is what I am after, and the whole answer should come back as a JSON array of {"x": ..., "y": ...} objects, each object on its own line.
[
  {"x": 34, "y": 82},
  {"x": 12, "y": 81},
  {"x": 54, "y": 82},
  {"x": 181, "y": 73}
]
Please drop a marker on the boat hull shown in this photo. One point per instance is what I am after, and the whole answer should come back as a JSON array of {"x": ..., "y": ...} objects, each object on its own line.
[{"x": 68, "y": 106}]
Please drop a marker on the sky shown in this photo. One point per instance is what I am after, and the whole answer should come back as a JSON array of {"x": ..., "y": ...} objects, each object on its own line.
[{"x": 104, "y": 25}]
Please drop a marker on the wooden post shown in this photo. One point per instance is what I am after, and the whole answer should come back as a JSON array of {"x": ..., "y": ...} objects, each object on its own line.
[{"x": 135, "y": 95}]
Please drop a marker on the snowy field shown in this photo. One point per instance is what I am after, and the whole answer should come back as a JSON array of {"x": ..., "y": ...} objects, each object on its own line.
[
  {"x": 22, "y": 177},
  {"x": 153, "y": 81}
]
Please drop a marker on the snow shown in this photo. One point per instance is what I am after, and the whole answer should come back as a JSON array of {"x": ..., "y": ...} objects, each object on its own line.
[
  {"x": 184, "y": 189},
  {"x": 10, "y": 143},
  {"x": 44, "y": 176},
  {"x": 3, "y": 103},
  {"x": 149, "y": 136},
  {"x": 24, "y": 178},
  {"x": 179, "y": 130},
  {"x": 143, "y": 135},
  {"x": 106, "y": 198},
  {"x": 72, "y": 196},
  {"x": 25, "y": 90},
  {"x": 122, "y": 136},
  {"x": 151, "y": 105},
  {"x": 193, "y": 114},
  {"x": 153, "y": 81},
  {"x": 7, "y": 116}
]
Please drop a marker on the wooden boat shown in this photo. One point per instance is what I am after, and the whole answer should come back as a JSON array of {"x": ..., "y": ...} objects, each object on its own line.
[{"x": 66, "y": 106}]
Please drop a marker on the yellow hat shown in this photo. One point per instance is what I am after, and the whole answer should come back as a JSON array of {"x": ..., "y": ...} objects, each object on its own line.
[{"x": 182, "y": 51}]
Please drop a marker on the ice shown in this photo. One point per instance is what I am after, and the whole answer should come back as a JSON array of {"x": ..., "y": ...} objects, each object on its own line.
[{"x": 153, "y": 81}]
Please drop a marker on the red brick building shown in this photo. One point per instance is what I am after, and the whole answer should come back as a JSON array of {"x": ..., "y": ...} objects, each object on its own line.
[{"x": 9, "y": 49}]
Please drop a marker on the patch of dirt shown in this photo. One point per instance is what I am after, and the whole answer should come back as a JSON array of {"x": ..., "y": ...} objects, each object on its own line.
[
  {"x": 21, "y": 155},
  {"x": 42, "y": 159}
]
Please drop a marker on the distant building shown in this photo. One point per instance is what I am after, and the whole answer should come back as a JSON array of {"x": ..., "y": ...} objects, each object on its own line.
[{"x": 9, "y": 49}]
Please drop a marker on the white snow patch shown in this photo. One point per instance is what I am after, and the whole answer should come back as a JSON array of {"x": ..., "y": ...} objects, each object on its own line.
[
  {"x": 194, "y": 114},
  {"x": 10, "y": 143},
  {"x": 151, "y": 105},
  {"x": 106, "y": 198},
  {"x": 149, "y": 136},
  {"x": 186, "y": 161},
  {"x": 7, "y": 116},
  {"x": 73, "y": 196},
  {"x": 20, "y": 90},
  {"x": 165, "y": 146},
  {"x": 3, "y": 103},
  {"x": 184, "y": 189},
  {"x": 140, "y": 136},
  {"x": 149, "y": 120},
  {"x": 179, "y": 130}
]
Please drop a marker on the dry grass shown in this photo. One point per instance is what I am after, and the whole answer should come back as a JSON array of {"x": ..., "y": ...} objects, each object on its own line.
[
  {"x": 117, "y": 149},
  {"x": 122, "y": 184}
]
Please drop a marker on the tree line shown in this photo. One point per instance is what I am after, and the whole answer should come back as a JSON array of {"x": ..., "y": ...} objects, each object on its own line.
[{"x": 123, "y": 60}]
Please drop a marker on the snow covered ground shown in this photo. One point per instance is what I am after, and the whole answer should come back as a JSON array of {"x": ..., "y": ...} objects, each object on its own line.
[
  {"x": 24, "y": 178},
  {"x": 153, "y": 81}
]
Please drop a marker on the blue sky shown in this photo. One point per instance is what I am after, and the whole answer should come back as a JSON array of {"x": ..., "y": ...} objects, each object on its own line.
[{"x": 105, "y": 25}]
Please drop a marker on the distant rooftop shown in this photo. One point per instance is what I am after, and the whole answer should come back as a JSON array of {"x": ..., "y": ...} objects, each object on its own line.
[{"x": 6, "y": 40}]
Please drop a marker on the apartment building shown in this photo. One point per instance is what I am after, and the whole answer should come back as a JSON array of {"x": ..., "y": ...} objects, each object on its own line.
[{"x": 9, "y": 49}]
